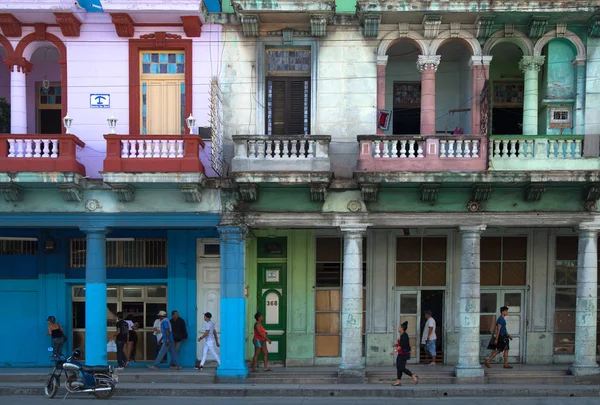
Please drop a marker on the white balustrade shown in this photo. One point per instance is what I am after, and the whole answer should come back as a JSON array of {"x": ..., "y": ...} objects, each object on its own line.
[
  {"x": 152, "y": 148},
  {"x": 285, "y": 149},
  {"x": 525, "y": 148},
  {"x": 37, "y": 148},
  {"x": 459, "y": 148}
]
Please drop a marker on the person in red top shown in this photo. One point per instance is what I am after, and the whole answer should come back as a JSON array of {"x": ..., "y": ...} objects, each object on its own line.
[
  {"x": 260, "y": 337},
  {"x": 402, "y": 349}
]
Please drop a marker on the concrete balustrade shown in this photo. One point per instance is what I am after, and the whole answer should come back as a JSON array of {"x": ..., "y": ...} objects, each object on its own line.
[
  {"x": 308, "y": 153},
  {"x": 422, "y": 153}
]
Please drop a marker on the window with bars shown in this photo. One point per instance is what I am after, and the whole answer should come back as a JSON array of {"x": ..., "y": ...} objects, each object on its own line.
[
  {"x": 565, "y": 298},
  {"x": 15, "y": 247},
  {"x": 328, "y": 296},
  {"x": 421, "y": 261},
  {"x": 288, "y": 92},
  {"x": 134, "y": 253},
  {"x": 504, "y": 261}
]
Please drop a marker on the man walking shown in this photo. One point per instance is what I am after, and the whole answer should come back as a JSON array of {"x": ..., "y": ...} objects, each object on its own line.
[
  {"x": 211, "y": 339},
  {"x": 122, "y": 339},
  {"x": 167, "y": 343},
  {"x": 429, "y": 338},
  {"x": 501, "y": 339},
  {"x": 179, "y": 333}
]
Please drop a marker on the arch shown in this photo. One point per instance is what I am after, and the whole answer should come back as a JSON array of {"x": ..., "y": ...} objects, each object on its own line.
[
  {"x": 464, "y": 35},
  {"x": 62, "y": 49},
  {"x": 518, "y": 38},
  {"x": 395, "y": 36},
  {"x": 569, "y": 35},
  {"x": 5, "y": 43}
]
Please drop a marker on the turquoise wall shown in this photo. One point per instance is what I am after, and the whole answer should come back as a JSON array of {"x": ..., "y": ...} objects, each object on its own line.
[{"x": 559, "y": 81}]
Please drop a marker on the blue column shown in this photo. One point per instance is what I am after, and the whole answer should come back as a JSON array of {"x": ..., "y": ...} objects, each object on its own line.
[
  {"x": 233, "y": 303},
  {"x": 95, "y": 297}
]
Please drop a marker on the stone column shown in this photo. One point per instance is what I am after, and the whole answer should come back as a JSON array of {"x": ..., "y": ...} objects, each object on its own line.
[
  {"x": 480, "y": 72},
  {"x": 18, "y": 93},
  {"x": 95, "y": 296},
  {"x": 381, "y": 66},
  {"x": 590, "y": 144},
  {"x": 587, "y": 294},
  {"x": 530, "y": 65},
  {"x": 468, "y": 346},
  {"x": 233, "y": 304},
  {"x": 427, "y": 65},
  {"x": 352, "y": 370}
]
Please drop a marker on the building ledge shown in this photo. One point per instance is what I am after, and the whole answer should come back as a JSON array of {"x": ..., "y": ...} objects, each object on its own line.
[
  {"x": 37, "y": 178},
  {"x": 284, "y": 178},
  {"x": 153, "y": 178},
  {"x": 245, "y": 6},
  {"x": 468, "y": 6}
]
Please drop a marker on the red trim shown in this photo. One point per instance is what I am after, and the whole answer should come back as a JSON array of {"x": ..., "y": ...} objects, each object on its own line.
[
  {"x": 192, "y": 25},
  {"x": 62, "y": 49},
  {"x": 7, "y": 46},
  {"x": 11, "y": 26},
  {"x": 68, "y": 23},
  {"x": 160, "y": 42},
  {"x": 123, "y": 24}
]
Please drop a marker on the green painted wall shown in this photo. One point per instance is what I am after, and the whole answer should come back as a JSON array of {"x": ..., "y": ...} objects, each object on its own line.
[
  {"x": 300, "y": 292},
  {"x": 559, "y": 80},
  {"x": 291, "y": 199},
  {"x": 345, "y": 6}
]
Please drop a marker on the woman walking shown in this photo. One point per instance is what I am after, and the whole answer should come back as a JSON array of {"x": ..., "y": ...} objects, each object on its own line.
[
  {"x": 402, "y": 349},
  {"x": 58, "y": 336},
  {"x": 260, "y": 343}
]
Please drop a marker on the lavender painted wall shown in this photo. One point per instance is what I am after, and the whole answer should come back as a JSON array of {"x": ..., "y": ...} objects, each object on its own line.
[{"x": 45, "y": 66}]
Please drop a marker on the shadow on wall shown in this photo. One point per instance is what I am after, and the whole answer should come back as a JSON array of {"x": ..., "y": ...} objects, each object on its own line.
[{"x": 344, "y": 158}]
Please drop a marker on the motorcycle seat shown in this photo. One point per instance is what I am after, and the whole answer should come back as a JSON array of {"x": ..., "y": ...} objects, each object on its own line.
[{"x": 95, "y": 369}]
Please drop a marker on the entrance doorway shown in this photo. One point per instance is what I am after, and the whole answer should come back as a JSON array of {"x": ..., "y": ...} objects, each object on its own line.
[
  {"x": 407, "y": 108},
  {"x": 208, "y": 288},
  {"x": 49, "y": 103},
  {"x": 491, "y": 301}
]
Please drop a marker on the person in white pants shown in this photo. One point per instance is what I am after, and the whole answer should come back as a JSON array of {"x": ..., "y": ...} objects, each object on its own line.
[{"x": 211, "y": 339}]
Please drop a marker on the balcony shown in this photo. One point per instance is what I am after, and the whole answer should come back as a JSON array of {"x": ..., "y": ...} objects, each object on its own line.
[
  {"x": 153, "y": 159},
  {"x": 539, "y": 153},
  {"x": 281, "y": 159},
  {"x": 405, "y": 153}
]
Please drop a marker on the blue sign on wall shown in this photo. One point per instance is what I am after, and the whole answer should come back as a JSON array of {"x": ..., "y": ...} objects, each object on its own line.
[{"x": 99, "y": 100}]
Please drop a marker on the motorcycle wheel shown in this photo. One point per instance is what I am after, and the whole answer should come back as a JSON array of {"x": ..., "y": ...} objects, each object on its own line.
[
  {"x": 104, "y": 383},
  {"x": 51, "y": 387}
]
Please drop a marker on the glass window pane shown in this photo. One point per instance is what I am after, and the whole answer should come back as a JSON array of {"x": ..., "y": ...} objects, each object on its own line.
[
  {"x": 491, "y": 248},
  {"x": 327, "y": 346},
  {"x": 408, "y": 274},
  {"x": 434, "y": 274},
  {"x": 434, "y": 249},
  {"x": 328, "y": 300},
  {"x": 152, "y": 310},
  {"x": 112, "y": 292},
  {"x": 564, "y": 343},
  {"x": 490, "y": 274},
  {"x": 566, "y": 273},
  {"x": 111, "y": 315},
  {"x": 212, "y": 249},
  {"x": 157, "y": 292},
  {"x": 408, "y": 249},
  {"x": 487, "y": 324},
  {"x": 79, "y": 292},
  {"x": 408, "y": 304},
  {"x": 412, "y": 321},
  {"x": 566, "y": 298},
  {"x": 566, "y": 247},
  {"x": 132, "y": 292},
  {"x": 514, "y": 273},
  {"x": 78, "y": 315},
  {"x": 329, "y": 250},
  {"x": 513, "y": 301},
  {"x": 328, "y": 323},
  {"x": 328, "y": 275},
  {"x": 564, "y": 321},
  {"x": 488, "y": 303},
  {"x": 515, "y": 248}
]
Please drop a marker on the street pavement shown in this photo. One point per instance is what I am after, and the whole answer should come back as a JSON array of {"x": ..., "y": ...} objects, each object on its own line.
[{"x": 86, "y": 400}]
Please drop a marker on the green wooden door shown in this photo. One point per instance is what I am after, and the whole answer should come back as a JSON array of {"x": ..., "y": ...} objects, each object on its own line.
[{"x": 272, "y": 304}]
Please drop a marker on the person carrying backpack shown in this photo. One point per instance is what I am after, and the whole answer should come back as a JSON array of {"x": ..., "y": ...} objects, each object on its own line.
[{"x": 122, "y": 339}]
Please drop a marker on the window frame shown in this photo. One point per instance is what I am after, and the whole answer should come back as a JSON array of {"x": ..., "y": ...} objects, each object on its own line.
[{"x": 501, "y": 261}]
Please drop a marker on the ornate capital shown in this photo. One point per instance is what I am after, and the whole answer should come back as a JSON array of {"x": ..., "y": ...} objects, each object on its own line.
[
  {"x": 231, "y": 233},
  {"x": 21, "y": 64},
  {"x": 472, "y": 229},
  {"x": 10, "y": 25},
  {"x": 480, "y": 60},
  {"x": 428, "y": 62},
  {"x": 382, "y": 60},
  {"x": 192, "y": 26},
  {"x": 531, "y": 63},
  {"x": 123, "y": 24},
  {"x": 70, "y": 25}
]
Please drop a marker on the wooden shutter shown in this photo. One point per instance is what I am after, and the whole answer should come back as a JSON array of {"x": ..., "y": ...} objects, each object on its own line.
[
  {"x": 286, "y": 105},
  {"x": 278, "y": 106},
  {"x": 164, "y": 107}
]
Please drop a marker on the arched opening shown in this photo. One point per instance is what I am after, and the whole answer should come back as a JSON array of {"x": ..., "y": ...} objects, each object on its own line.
[
  {"x": 4, "y": 93},
  {"x": 403, "y": 88},
  {"x": 557, "y": 88},
  {"x": 453, "y": 81},
  {"x": 45, "y": 91},
  {"x": 506, "y": 90}
]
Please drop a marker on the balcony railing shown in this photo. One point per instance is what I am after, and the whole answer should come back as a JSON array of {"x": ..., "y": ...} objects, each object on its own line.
[
  {"x": 260, "y": 153},
  {"x": 40, "y": 153},
  {"x": 422, "y": 153},
  {"x": 539, "y": 152},
  {"x": 153, "y": 154}
]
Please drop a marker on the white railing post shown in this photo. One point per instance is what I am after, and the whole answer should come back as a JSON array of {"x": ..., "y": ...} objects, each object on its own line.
[
  {"x": 475, "y": 152},
  {"x": 443, "y": 148},
  {"x": 28, "y": 148},
  {"x": 451, "y": 149},
  {"x": 55, "y": 144},
  {"x": 420, "y": 149},
  {"x": 402, "y": 148},
  {"x": 577, "y": 153},
  {"x": 376, "y": 149},
  {"x": 11, "y": 148},
  {"x": 180, "y": 148},
  {"x": 411, "y": 149},
  {"x": 46, "y": 152}
]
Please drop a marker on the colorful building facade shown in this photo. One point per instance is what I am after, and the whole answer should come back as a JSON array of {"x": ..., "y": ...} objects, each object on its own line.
[{"x": 356, "y": 164}]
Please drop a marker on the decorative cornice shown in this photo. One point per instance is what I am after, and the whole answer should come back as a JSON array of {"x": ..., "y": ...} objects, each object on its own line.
[
  {"x": 481, "y": 192},
  {"x": 591, "y": 195},
  {"x": 248, "y": 192},
  {"x": 480, "y": 60},
  {"x": 455, "y": 29},
  {"x": 484, "y": 23},
  {"x": 192, "y": 25},
  {"x": 428, "y": 62},
  {"x": 123, "y": 24},
  {"x": 531, "y": 63},
  {"x": 69, "y": 24},
  {"x": 250, "y": 25},
  {"x": 509, "y": 30},
  {"x": 40, "y": 31},
  {"x": 561, "y": 30},
  {"x": 403, "y": 29},
  {"x": 318, "y": 192},
  {"x": 22, "y": 64},
  {"x": 594, "y": 26},
  {"x": 534, "y": 192},
  {"x": 288, "y": 35},
  {"x": 70, "y": 192},
  {"x": 430, "y": 192},
  {"x": 160, "y": 36},
  {"x": 124, "y": 192},
  {"x": 11, "y": 26},
  {"x": 537, "y": 26},
  {"x": 371, "y": 23},
  {"x": 318, "y": 24},
  {"x": 369, "y": 192},
  {"x": 431, "y": 25},
  {"x": 192, "y": 193},
  {"x": 11, "y": 193}
]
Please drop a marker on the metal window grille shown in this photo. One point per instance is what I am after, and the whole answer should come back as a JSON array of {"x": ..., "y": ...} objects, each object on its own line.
[
  {"x": 134, "y": 253},
  {"x": 13, "y": 247}
]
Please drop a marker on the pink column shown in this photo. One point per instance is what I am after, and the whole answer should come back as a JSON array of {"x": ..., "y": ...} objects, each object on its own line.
[
  {"x": 427, "y": 65},
  {"x": 381, "y": 65},
  {"x": 480, "y": 72}
]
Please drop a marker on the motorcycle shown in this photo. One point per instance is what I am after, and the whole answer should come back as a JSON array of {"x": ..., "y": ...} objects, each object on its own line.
[{"x": 100, "y": 381}]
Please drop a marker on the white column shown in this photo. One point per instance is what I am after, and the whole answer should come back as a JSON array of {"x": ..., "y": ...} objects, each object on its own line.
[
  {"x": 352, "y": 369},
  {"x": 468, "y": 345},
  {"x": 18, "y": 101},
  {"x": 587, "y": 294}
]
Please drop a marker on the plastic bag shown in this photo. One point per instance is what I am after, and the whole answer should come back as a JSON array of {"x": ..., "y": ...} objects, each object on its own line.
[{"x": 111, "y": 347}]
